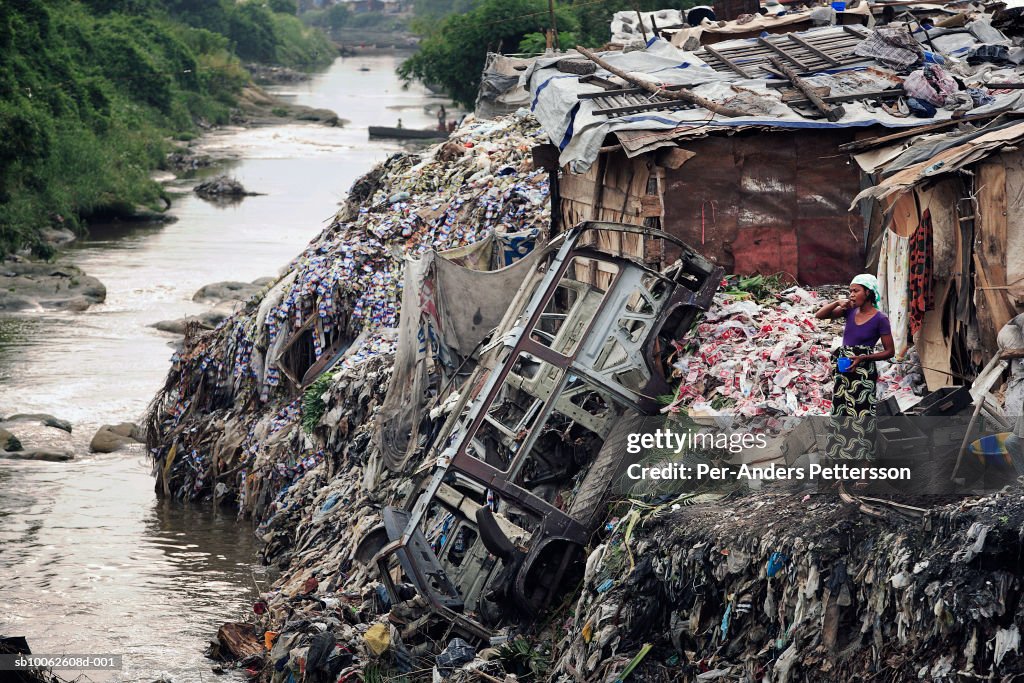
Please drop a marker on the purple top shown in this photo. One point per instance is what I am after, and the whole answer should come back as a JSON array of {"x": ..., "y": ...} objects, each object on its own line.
[{"x": 867, "y": 334}]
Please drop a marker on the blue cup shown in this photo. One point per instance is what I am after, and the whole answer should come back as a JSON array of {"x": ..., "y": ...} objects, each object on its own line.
[
  {"x": 844, "y": 364},
  {"x": 839, "y": 5}
]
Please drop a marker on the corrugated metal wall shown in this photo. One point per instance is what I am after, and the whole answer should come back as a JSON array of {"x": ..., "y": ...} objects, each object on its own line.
[
  {"x": 770, "y": 203},
  {"x": 766, "y": 202}
]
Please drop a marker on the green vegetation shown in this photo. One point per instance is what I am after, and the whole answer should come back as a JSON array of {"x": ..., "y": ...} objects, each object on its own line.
[
  {"x": 455, "y": 45},
  {"x": 453, "y": 55},
  {"x": 91, "y": 90},
  {"x": 313, "y": 405}
]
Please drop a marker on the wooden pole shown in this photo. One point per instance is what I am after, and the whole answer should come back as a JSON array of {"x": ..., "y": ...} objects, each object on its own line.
[
  {"x": 554, "y": 25},
  {"x": 830, "y": 112},
  {"x": 681, "y": 95}
]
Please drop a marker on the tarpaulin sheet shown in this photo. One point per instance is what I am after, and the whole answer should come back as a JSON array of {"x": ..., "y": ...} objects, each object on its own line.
[{"x": 441, "y": 323}]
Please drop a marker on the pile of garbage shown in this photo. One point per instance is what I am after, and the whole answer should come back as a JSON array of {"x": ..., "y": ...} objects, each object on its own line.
[
  {"x": 239, "y": 421},
  {"x": 227, "y": 418},
  {"x": 767, "y": 356},
  {"x": 783, "y": 586},
  {"x": 221, "y": 186},
  {"x": 274, "y": 412}
]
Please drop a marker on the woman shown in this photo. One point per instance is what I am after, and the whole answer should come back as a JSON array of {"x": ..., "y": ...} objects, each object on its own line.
[{"x": 853, "y": 394}]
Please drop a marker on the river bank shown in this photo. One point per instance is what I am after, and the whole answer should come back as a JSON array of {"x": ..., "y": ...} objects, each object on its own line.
[{"x": 127, "y": 573}]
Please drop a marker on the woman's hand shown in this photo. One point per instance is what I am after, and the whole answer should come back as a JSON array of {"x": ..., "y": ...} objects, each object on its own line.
[
  {"x": 834, "y": 309},
  {"x": 855, "y": 361}
]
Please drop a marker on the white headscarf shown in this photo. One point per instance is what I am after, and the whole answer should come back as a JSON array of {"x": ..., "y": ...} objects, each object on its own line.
[{"x": 869, "y": 282}]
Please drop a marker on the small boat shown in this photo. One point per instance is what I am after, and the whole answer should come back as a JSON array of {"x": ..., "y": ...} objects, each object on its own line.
[{"x": 407, "y": 133}]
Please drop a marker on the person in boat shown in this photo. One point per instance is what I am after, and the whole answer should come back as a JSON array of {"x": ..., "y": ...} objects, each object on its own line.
[
  {"x": 399, "y": 123},
  {"x": 852, "y": 436}
]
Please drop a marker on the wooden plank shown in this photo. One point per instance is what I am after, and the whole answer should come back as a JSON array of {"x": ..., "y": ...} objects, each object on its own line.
[
  {"x": 599, "y": 181},
  {"x": 990, "y": 249},
  {"x": 647, "y": 106},
  {"x": 782, "y": 53},
  {"x": 621, "y": 91},
  {"x": 852, "y": 97},
  {"x": 831, "y": 113},
  {"x": 728, "y": 62},
  {"x": 861, "y": 145},
  {"x": 600, "y": 82},
  {"x": 803, "y": 43}
]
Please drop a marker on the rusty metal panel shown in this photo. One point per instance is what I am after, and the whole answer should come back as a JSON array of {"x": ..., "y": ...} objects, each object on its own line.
[
  {"x": 701, "y": 201},
  {"x": 746, "y": 201},
  {"x": 830, "y": 238},
  {"x": 766, "y": 250},
  {"x": 768, "y": 183}
]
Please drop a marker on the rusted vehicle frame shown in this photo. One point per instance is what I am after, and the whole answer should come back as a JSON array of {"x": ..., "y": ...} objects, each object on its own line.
[{"x": 555, "y": 526}]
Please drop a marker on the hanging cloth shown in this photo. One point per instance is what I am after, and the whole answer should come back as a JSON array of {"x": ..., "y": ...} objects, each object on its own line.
[
  {"x": 893, "y": 279},
  {"x": 922, "y": 290}
]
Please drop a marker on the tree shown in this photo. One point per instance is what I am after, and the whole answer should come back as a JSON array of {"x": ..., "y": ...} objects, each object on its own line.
[
  {"x": 338, "y": 15},
  {"x": 251, "y": 28},
  {"x": 284, "y": 7},
  {"x": 453, "y": 57}
]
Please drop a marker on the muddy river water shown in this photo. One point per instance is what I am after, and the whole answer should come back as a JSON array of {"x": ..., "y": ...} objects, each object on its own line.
[{"x": 91, "y": 562}]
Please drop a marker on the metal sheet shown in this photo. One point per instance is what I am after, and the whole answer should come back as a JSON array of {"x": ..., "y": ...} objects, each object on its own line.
[
  {"x": 702, "y": 201},
  {"x": 769, "y": 202}
]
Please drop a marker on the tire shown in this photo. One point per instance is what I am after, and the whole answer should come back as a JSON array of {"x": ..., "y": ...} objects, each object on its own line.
[{"x": 589, "y": 507}]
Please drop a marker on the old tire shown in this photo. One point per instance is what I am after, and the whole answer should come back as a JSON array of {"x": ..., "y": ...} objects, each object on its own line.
[{"x": 589, "y": 507}]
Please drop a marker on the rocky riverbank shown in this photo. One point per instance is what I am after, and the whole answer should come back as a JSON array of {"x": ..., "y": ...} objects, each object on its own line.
[{"x": 32, "y": 286}]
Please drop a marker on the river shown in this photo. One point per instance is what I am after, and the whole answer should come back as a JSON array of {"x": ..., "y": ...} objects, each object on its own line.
[{"x": 91, "y": 561}]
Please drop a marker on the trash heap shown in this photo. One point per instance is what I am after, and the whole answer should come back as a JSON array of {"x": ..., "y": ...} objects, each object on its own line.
[
  {"x": 226, "y": 418},
  {"x": 763, "y": 355},
  {"x": 229, "y": 424},
  {"x": 781, "y": 586},
  {"x": 754, "y": 586},
  {"x": 753, "y": 357}
]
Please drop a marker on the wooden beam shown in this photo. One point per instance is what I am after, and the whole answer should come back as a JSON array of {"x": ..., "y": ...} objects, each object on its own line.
[
  {"x": 645, "y": 106},
  {"x": 682, "y": 95},
  {"x": 990, "y": 249},
  {"x": 861, "y": 145},
  {"x": 728, "y": 62},
  {"x": 831, "y": 113},
  {"x": 782, "y": 53},
  {"x": 620, "y": 91},
  {"x": 853, "y": 97},
  {"x": 600, "y": 82},
  {"x": 807, "y": 46}
]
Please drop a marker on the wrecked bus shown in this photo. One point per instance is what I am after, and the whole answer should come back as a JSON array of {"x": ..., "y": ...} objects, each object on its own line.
[{"x": 518, "y": 477}]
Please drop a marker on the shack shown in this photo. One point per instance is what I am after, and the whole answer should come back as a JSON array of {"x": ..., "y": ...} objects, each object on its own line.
[
  {"x": 740, "y": 148},
  {"x": 950, "y": 249}
]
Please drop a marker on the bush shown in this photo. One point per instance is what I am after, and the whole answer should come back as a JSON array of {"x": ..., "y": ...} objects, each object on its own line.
[
  {"x": 251, "y": 29},
  {"x": 284, "y": 7},
  {"x": 299, "y": 46},
  {"x": 90, "y": 89}
]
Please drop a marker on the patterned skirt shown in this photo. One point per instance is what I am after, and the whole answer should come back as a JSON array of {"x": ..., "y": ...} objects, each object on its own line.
[{"x": 852, "y": 433}]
